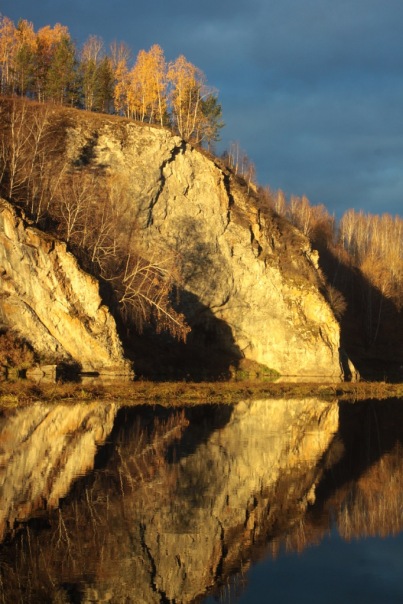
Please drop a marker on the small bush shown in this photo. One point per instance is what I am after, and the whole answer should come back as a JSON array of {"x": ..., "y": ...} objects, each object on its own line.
[
  {"x": 247, "y": 369},
  {"x": 14, "y": 352}
]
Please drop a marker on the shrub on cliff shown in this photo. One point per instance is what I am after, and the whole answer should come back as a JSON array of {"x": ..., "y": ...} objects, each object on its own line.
[{"x": 14, "y": 353}]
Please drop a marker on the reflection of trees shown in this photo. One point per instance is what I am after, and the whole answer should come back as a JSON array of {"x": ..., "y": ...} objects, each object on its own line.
[
  {"x": 178, "y": 502},
  {"x": 373, "y": 506},
  {"x": 183, "y": 500},
  {"x": 81, "y": 540},
  {"x": 364, "y": 491}
]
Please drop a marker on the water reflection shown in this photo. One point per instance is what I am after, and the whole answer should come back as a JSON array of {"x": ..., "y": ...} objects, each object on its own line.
[
  {"x": 366, "y": 486},
  {"x": 43, "y": 449},
  {"x": 177, "y": 502}
]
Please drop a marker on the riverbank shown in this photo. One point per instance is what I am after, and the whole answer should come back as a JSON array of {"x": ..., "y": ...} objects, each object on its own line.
[{"x": 24, "y": 392}]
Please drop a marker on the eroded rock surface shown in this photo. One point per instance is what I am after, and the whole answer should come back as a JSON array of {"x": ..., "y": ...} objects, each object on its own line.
[
  {"x": 250, "y": 279},
  {"x": 51, "y": 302},
  {"x": 250, "y": 285}
]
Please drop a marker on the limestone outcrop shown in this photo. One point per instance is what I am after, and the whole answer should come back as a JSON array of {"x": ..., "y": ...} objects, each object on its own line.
[
  {"x": 251, "y": 280},
  {"x": 50, "y": 302},
  {"x": 250, "y": 286}
]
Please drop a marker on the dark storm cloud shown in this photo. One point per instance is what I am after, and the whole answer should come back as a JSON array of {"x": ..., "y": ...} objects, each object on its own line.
[{"x": 311, "y": 89}]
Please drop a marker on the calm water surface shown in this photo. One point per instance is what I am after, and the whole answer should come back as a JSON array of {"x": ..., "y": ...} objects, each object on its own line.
[{"x": 262, "y": 501}]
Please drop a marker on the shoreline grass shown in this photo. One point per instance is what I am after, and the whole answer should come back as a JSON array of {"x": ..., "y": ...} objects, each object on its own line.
[{"x": 24, "y": 392}]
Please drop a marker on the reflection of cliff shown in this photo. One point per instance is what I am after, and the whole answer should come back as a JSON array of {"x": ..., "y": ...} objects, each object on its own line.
[
  {"x": 182, "y": 501},
  {"x": 361, "y": 492},
  {"x": 43, "y": 448},
  {"x": 249, "y": 478}
]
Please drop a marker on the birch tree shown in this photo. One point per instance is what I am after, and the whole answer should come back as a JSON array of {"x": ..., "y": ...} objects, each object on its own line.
[
  {"x": 147, "y": 85},
  {"x": 120, "y": 55},
  {"x": 187, "y": 89},
  {"x": 90, "y": 58}
]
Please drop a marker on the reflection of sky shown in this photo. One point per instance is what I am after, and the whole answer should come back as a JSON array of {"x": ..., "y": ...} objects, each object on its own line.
[
  {"x": 311, "y": 89},
  {"x": 367, "y": 571}
]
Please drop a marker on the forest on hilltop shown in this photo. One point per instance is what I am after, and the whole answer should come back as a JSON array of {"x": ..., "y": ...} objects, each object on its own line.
[
  {"x": 361, "y": 256},
  {"x": 47, "y": 66}
]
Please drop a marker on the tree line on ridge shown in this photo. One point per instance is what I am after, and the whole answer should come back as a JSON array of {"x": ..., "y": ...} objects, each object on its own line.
[{"x": 47, "y": 66}]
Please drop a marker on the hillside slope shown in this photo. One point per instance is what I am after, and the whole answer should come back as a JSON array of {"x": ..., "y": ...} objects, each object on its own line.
[{"x": 249, "y": 285}]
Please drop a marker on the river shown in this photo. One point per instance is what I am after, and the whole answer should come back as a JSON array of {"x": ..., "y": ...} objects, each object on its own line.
[{"x": 261, "y": 501}]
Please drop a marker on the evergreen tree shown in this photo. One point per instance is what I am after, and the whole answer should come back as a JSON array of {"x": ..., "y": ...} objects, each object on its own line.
[
  {"x": 104, "y": 83},
  {"x": 24, "y": 58},
  {"x": 212, "y": 124},
  {"x": 61, "y": 77}
]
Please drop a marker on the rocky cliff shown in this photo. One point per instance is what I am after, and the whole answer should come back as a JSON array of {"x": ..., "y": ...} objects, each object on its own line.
[
  {"x": 250, "y": 279},
  {"x": 250, "y": 283},
  {"x": 51, "y": 302}
]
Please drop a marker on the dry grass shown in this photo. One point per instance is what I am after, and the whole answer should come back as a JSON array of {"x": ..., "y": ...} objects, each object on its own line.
[{"x": 171, "y": 394}]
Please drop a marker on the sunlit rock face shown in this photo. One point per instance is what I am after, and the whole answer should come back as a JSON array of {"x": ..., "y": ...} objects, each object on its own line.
[
  {"x": 251, "y": 287},
  {"x": 250, "y": 279},
  {"x": 48, "y": 300},
  {"x": 43, "y": 449}
]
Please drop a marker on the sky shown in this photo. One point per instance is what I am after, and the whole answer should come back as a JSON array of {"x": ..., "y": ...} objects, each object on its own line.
[{"x": 311, "y": 90}]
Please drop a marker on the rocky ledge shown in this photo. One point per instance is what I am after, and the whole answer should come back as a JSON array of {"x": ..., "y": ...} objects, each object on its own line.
[{"x": 51, "y": 303}]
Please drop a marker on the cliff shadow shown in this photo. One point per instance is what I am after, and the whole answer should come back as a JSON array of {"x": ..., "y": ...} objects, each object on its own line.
[
  {"x": 208, "y": 354},
  {"x": 210, "y": 349},
  {"x": 372, "y": 324}
]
